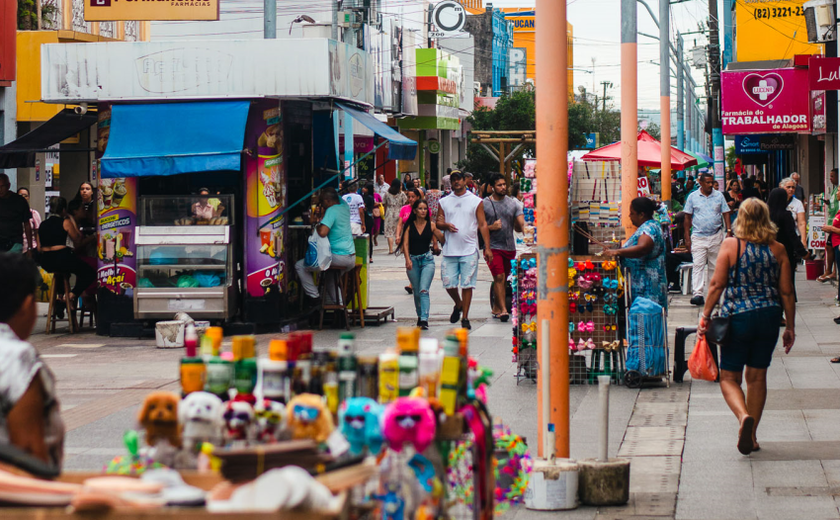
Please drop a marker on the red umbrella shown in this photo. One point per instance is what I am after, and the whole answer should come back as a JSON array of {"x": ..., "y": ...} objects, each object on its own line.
[{"x": 650, "y": 154}]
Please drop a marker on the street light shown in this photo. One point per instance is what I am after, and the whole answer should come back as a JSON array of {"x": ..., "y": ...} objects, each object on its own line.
[{"x": 299, "y": 19}]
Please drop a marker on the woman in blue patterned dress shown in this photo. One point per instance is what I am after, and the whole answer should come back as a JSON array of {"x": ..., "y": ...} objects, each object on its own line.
[
  {"x": 643, "y": 255},
  {"x": 754, "y": 270}
]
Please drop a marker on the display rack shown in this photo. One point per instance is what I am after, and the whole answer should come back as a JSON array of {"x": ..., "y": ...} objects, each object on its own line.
[{"x": 524, "y": 285}]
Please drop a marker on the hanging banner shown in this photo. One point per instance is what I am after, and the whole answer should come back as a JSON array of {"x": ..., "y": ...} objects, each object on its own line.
[
  {"x": 265, "y": 196},
  {"x": 816, "y": 236},
  {"x": 818, "y": 121},
  {"x": 765, "y": 101},
  {"x": 824, "y": 73}
]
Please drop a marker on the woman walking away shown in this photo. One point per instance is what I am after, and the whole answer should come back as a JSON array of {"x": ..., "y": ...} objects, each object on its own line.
[
  {"x": 394, "y": 200},
  {"x": 753, "y": 268},
  {"x": 777, "y": 202},
  {"x": 55, "y": 256},
  {"x": 420, "y": 234},
  {"x": 644, "y": 254}
]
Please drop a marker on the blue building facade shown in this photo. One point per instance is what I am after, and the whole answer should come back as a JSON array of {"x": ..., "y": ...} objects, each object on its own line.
[{"x": 502, "y": 44}]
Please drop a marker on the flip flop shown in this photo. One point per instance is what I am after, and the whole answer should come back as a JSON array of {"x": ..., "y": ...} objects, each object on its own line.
[
  {"x": 504, "y": 317},
  {"x": 494, "y": 315},
  {"x": 756, "y": 447},
  {"x": 835, "y": 360},
  {"x": 745, "y": 442}
]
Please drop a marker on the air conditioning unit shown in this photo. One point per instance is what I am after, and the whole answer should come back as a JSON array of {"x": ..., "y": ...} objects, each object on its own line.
[{"x": 820, "y": 20}]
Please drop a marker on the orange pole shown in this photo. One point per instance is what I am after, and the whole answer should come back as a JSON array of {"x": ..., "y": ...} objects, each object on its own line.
[
  {"x": 665, "y": 132},
  {"x": 552, "y": 92},
  {"x": 629, "y": 113}
]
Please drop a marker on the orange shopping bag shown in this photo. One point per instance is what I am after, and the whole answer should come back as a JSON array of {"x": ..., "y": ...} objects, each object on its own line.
[{"x": 701, "y": 364}]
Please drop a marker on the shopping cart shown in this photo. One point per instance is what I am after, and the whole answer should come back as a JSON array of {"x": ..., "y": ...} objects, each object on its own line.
[{"x": 647, "y": 336}]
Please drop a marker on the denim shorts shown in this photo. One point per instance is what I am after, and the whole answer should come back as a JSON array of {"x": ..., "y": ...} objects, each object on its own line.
[
  {"x": 752, "y": 338},
  {"x": 459, "y": 271}
]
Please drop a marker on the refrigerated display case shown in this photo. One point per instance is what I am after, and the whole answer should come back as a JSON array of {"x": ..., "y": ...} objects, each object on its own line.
[{"x": 185, "y": 259}]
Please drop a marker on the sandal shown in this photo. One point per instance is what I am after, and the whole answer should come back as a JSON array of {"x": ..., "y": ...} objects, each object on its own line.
[
  {"x": 504, "y": 317},
  {"x": 409, "y": 289},
  {"x": 835, "y": 360},
  {"x": 745, "y": 442}
]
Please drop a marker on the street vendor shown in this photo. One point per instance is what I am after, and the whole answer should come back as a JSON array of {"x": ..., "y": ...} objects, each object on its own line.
[
  {"x": 204, "y": 209},
  {"x": 30, "y": 420},
  {"x": 644, "y": 254}
]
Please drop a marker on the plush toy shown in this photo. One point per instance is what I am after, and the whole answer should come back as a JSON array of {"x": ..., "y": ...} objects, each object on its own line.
[
  {"x": 201, "y": 418},
  {"x": 239, "y": 418},
  {"x": 309, "y": 418},
  {"x": 271, "y": 420},
  {"x": 409, "y": 420},
  {"x": 159, "y": 417},
  {"x": 393, "y": 507},
  {"x": 359, "y": 420}
]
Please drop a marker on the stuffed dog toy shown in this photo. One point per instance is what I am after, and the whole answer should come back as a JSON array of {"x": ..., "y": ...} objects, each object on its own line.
[
  {"x": 309, "y": 418},
  {"x": 201, "y": 418},
  {"x": 159, "y": 417},
  {"x": 271, "y": 420},
  {"x": 239, "y": 418},
  {"x": 359, "y": 420},
  {"x": 409, "y": 420}
]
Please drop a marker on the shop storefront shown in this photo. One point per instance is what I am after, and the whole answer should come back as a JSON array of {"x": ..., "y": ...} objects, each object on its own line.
[{"x": 174, "y": 120}]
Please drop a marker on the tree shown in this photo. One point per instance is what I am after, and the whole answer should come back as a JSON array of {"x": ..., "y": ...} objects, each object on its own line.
[
  {"x": 514, "y": 111},
  {"x": 585, "y": 116},
  {"x": 730, "y": 157},
  {"x": 654, "y": 131},
  {"x": 28, "y": 14}
]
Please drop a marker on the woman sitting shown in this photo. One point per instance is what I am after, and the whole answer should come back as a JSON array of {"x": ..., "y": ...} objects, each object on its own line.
[{"x": 54, "y": 254}]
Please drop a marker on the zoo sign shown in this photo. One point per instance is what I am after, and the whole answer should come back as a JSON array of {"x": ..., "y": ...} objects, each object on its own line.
[{"x": 448, "y": 19}]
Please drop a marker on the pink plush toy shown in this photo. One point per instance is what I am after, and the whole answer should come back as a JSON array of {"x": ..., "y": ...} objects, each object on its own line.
[{"x": 409, "y": 420}]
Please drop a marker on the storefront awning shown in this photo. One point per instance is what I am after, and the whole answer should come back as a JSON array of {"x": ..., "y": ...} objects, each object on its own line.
[
  {"x": 173, "y": 138},
  {"x": 21, "y": 152},
  {"x": 400, "y": 147}
]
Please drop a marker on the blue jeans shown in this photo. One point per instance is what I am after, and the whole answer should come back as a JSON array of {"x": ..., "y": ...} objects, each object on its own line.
[{"x": 421, "y": 275}]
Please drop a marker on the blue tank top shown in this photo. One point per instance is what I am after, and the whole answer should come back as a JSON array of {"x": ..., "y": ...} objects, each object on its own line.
[{"x": 753, "y": 281}]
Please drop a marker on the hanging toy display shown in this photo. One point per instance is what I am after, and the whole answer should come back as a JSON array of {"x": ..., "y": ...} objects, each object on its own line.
[
  {"x": 359, "y": 419},
  {"x": 524, "y": 303},
  {"x": 409, "y": 420},
  {"x": 309, "y": 418}
]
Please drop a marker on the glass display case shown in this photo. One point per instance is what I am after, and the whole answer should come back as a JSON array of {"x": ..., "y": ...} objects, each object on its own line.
[{"x": 185, "y": 263}]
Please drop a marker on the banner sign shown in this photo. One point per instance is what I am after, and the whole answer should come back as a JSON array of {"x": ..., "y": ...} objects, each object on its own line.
[
  {"x": 771, "y": 30},
  {"x": 765, "y": 101},
  {"x": 818, "y": 121},
  {"x": 824, "y": 73},
  {"x": 816, "y": 236},
  {"x": 110, "y": 10}
]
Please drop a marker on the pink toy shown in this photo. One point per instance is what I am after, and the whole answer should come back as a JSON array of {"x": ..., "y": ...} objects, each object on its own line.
[{"x": 409, "y": 420}]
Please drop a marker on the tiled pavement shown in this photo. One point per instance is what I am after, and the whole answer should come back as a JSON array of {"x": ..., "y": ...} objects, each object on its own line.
[{"x": 681, "y": 440}]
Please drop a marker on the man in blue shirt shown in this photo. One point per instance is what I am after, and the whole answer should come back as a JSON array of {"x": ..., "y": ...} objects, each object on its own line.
[
  {"x": 706, "y": 213},
  {"x": 335, "y": 226}
]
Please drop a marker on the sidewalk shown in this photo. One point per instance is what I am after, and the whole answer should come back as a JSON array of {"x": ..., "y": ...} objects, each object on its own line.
[{"x": 681, "y": 439}]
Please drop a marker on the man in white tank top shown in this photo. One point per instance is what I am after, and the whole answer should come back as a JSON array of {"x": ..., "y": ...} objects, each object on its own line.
[{"x": 461, "y": 217}]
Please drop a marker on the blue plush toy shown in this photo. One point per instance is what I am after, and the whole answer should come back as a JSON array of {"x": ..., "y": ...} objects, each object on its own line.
[
  {"x": 359, "y": 419},
  {"x": 393, "y": 507}
]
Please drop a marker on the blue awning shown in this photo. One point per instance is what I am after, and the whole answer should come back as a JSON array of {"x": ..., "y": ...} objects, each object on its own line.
[
  {"x": 173, "y": 138},
  {"x": 400, "y": 147}
]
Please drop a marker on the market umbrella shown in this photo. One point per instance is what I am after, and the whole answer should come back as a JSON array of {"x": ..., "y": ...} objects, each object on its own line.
[
  {"x": 701, "y": 160},
  {"x": 650, "y": 154}
]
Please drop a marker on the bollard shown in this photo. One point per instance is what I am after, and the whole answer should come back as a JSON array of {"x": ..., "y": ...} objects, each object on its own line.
[{"x": 604, "y": 399}]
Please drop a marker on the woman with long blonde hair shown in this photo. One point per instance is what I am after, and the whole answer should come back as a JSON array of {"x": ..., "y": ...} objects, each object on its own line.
[{"x": 753, "y": 268}]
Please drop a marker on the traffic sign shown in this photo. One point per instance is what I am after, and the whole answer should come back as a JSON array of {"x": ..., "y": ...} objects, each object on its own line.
[{"x": 448, "y": 18}]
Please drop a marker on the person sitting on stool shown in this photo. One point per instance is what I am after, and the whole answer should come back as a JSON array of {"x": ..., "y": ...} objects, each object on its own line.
[{"x": 335, "y": 226}]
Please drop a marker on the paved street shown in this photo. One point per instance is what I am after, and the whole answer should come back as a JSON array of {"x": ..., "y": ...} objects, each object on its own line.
[{"x": 681, "y": 439}]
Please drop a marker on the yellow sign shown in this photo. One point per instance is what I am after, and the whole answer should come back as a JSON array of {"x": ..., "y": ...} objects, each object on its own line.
[
  {"x": 108, "y": 10},
  {"x": 771, "y": 30}
]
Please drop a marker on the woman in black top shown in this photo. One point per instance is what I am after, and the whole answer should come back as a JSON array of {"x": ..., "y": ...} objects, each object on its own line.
[
  {"x": 777, "y": 201},
  {"x": 53, "y": 252},
  {"x": 419, "y": 235}
]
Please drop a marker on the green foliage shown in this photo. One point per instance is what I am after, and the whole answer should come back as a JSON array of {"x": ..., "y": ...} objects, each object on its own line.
[
  {"x": 514, "y": 111},
  {"x": 730, "y": 157},
  {"x": 654, "y": 131},
  {"x": 28, "y": 15},
  {"x": 587, "y": 116}
]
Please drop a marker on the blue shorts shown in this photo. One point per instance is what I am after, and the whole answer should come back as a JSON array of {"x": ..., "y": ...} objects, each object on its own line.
[
  {"x": 459, "y": 272},
  {"x": 752, "y": 338}
]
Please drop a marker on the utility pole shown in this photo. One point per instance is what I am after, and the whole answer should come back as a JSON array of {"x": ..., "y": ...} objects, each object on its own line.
[
  {"x": 665, "y": 98},
  {"x": 629, "y": 110},
  {"x": 270, "y": 19},
  {"x": 552, "y": 219},
  {"x": 605, "y": 84},
  {"x": 689, "y": 129},
  {"x": 714, "y": 105},
  {"x": 680, "y": 102}
]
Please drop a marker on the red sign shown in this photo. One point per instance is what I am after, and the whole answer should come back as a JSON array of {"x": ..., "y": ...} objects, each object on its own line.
[
  {"x": 8, "y": 36},
  {"x": 824, "y": 73},
  {"x": 765, "y": 101}
]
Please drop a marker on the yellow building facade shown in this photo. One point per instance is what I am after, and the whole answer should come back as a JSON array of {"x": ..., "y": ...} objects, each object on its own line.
[{"x": 67, "y": 25}]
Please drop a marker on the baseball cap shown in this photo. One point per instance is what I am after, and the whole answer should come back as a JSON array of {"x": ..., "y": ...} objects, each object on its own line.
[{"x": 456, "y": 174}]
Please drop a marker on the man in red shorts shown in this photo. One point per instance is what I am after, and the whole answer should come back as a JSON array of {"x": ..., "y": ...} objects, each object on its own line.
[{"x": 504, "y": 216}]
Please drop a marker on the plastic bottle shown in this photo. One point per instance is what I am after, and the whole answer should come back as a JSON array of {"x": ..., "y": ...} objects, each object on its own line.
[
  {"x": 408, "y": 363},
  {"x": 190, "y": 341},
  {"x": 219, "y": 377},
  {"x": 245, "y": 376},
  {"x": 389, "y": 377},
  {"x": 216, "y": 336},
  {"x": 346, "y": 367},
  {"x": 429, "y": 366},
  {"x": 243, "y": 347},
  {"x": 193, "y": 375},
  {"x": 331, "y": 391}
]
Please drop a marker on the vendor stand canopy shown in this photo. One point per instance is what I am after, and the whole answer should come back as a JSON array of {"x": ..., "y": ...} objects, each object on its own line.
[
  {"x": 399, "y": 147},
  {"x": 174, "y": 138},
  {"x": 21, "y": 152},
  {"x": 703, "y": 160},
  {"x": 650, "y": 154}
]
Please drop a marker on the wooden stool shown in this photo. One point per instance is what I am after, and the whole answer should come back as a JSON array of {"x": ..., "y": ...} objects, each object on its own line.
[
  {"x": 339, "y": 296},
  {"x": 63, "y": 278},
  {"x": 88, "y": 306},
  {"x": 354, "y": 296}
]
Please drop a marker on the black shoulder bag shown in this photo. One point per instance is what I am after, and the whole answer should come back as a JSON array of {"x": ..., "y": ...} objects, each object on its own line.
[{"x": 718, "y": 330}]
